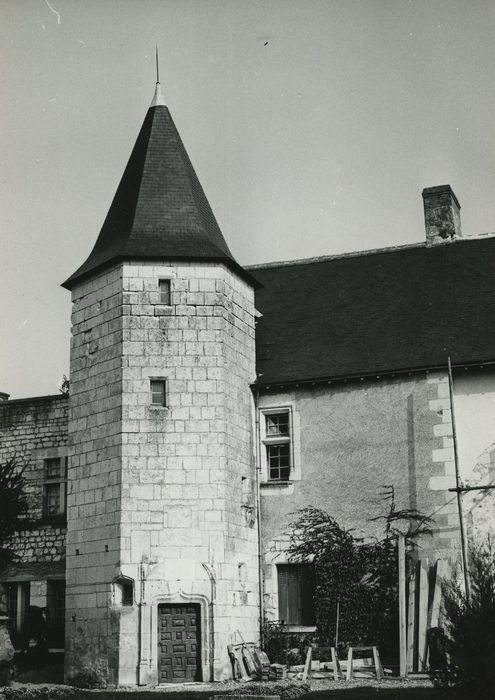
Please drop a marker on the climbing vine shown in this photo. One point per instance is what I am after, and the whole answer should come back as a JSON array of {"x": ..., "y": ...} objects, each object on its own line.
[{"x": 356, "y": 581}]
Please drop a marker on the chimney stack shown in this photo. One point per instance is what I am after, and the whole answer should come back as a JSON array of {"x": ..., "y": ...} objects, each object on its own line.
[
  {"x": 442, "y": 214},
  {"x": 4, "y": 396}
]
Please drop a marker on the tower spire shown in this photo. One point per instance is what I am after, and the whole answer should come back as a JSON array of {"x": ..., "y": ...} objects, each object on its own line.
[{"x": 158, "y": 99}]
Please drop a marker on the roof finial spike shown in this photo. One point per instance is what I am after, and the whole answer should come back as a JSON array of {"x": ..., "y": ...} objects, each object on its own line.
[{"x": 157, "y": 97}]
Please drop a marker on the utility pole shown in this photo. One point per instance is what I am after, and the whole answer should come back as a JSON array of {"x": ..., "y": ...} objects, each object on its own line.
[{"x": 458, "y": 488}]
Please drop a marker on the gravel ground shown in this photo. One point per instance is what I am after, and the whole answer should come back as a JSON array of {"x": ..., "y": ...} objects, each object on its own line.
[{"x": 359, "y": 689}]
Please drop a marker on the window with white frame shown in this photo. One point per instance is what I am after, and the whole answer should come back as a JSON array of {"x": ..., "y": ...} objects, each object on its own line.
[
  {"x": 277, "y": 443},
  {"x": 55, "y": 487}
]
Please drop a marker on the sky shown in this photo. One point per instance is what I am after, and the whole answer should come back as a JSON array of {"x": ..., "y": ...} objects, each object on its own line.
[{"x": 313, "y": 126}]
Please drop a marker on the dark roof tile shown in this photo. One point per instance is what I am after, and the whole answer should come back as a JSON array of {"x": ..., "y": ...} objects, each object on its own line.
[
  {"x": 159, "y": 210},
  {"x": 384, "y": 311}
]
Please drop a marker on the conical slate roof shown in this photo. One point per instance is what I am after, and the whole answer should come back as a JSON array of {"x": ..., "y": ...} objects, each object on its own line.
[{"x": 159, "y": 211}]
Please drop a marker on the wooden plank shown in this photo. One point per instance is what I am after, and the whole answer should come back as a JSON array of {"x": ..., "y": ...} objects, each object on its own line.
[
  {"x": 437, "y": 593},
  {"x": 378, "y": 664},
  {"x": 307, "y": 665},
  {"x": 337, "y": 673},
  {"x": 436, "y": 599},
  {"x": 348, "y": 675},
  {"x": 240, "y": 663},
  {"x": 422, "y": 613},
  {"x": 401, "y": 553},
  {"x": 411, "y": 623}
]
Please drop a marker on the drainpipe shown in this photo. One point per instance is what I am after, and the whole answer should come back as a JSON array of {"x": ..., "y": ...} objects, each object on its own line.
[
  {"x": 458, "y": 484},
  {"x": 258, "y": 510},
  {"x": 141, "y": 661},
  {"x": 213, "y": 585}
]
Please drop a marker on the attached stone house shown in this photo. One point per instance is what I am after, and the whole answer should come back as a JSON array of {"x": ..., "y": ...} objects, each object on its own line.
[{"x": 208, "y": 402}]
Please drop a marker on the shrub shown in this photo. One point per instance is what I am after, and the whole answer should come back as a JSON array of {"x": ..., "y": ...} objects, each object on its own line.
[
  {"x": 469, "y": 638},
  {"x": 284, "y": 647},
  {"x": 288, "y": 690},
  {"x": 39, "y": 692},
  {"x": 89, "y": 678}
]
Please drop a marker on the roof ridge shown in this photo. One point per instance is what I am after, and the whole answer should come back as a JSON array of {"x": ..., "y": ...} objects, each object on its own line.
[
  {"x": 368, "y": 251},
  {"x": 335, "y": 256}
]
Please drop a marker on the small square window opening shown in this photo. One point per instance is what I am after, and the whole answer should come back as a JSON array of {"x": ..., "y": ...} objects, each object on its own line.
[
  {"x": 164, "y": 289},
  {"x": 158, "y": 392},
  {"x": 277, "y": 424}
]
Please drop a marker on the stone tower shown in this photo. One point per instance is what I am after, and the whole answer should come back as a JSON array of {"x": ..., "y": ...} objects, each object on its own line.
[{"x": 162, "y": 538}]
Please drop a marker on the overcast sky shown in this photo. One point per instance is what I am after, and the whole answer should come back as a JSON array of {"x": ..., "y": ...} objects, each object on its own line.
[{"x": 313, "y": 126}]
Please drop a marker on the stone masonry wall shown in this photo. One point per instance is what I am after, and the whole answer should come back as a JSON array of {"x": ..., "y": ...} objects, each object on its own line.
[
  {"x": 94, "y": 476},
  {"x": 160, "y": 496},
  {"x": 188, "y": 504},
  {"x": 32, "y": 430}
]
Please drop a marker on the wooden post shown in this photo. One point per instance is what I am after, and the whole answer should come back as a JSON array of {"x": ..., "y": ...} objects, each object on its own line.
[
  {"x": 462, "y": 528},
  {"x": 422, "y": 613},
  {"x": 437, "y": 593},
  {"x": 401, "y": 553},
  {"x": 411, "y": 621},
  {"x": 307, "y": 665}
]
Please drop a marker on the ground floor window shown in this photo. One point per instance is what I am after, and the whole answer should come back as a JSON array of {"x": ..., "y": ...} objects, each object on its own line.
[
  {"x": 55, "y": 613},
  {"x": 34, "y": 613},
  {"x": 296, "y": 594},
  {"x": 17, "y": 607}
]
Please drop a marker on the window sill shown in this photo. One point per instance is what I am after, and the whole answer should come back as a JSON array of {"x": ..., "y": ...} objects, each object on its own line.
[
  {"x": 57, "y": 520},
  {"x": 281, "y": 483},
  {"x": 300, "y": 629}
]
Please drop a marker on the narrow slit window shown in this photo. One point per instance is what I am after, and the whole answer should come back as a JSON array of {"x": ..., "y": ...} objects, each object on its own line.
[
  {"x": 164, "y": 289},
  {"x": 158, "y": 390}
]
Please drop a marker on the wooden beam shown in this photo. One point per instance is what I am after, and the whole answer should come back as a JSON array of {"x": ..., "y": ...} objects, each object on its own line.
[
  {"x": 401, "y": 553},
  {"x": 307, "y": 665},
  {"x": 411, "y": 622},
  {"x": 337, "y": 673},
  {"x": 437, "y": 592},
  {"x": 422, "y": 613}
]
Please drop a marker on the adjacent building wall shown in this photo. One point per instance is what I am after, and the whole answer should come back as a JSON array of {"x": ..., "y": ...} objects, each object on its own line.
[
  {"x": 475, "y": 421},
  {"x": 32, "y": 430},
  {"x": 351, "y": 439}
]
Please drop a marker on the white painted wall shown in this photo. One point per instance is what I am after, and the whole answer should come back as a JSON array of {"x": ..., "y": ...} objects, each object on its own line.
[{"x": 475, "y": 422}]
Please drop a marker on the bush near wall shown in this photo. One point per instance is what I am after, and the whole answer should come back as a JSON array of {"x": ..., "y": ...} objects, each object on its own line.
[
  {"x": 356, "y": 594},
  {"x": 468, "y": 639},
  {"x": 39, "y": 692},
  {"x": 287, "y": 690}
]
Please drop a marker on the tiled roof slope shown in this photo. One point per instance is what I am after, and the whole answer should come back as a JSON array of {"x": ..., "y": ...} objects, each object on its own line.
[
  {"x": 159, "y": 210},
  {"x": 384, "y": 311}
]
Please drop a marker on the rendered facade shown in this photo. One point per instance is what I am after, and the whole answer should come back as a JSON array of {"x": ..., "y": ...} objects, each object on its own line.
[{"x": 208, "y": 402}]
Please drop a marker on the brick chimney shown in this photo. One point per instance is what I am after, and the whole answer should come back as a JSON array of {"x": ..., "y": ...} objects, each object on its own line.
[
  {"x": 442, "y": 214},
  {"x": 4, "y": 396}
]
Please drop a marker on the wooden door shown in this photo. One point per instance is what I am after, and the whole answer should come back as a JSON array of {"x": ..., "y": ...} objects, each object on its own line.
[{"x": 179, "y": 643}]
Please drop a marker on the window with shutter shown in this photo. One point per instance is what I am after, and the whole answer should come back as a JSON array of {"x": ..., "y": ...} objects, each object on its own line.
[{"x": 296, "y": 594}]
